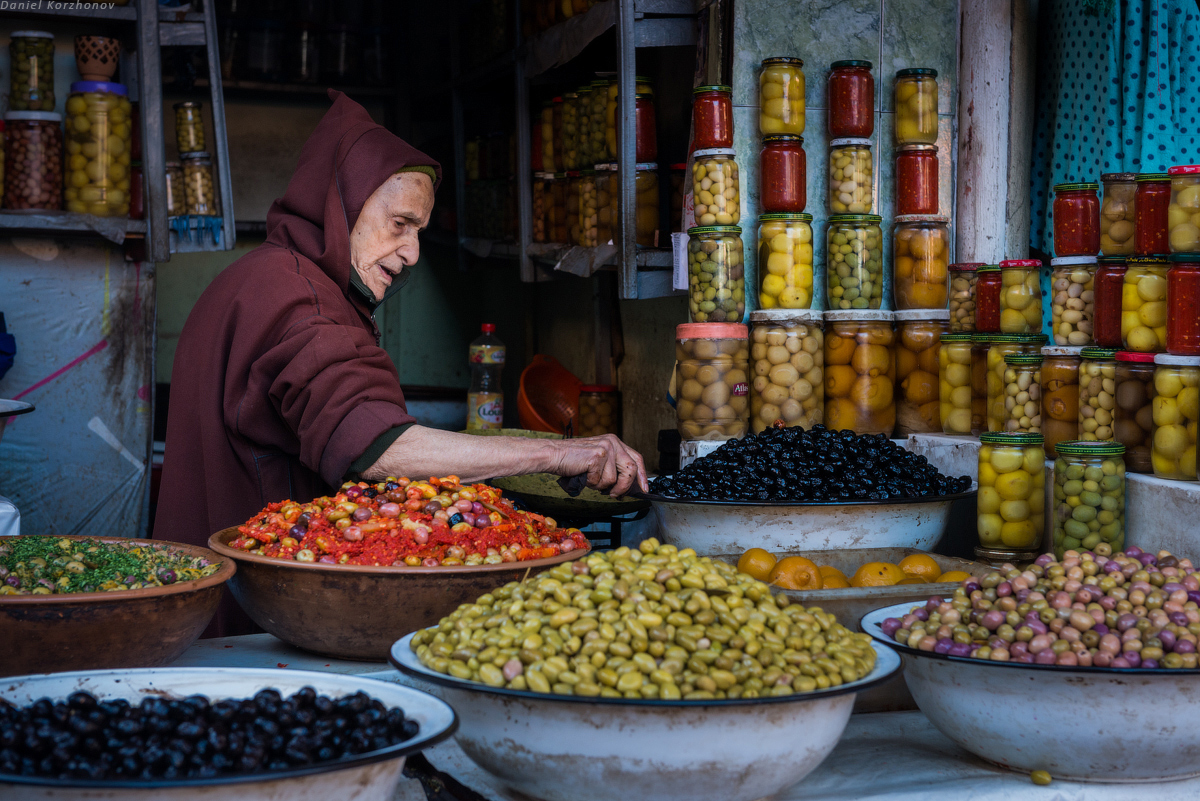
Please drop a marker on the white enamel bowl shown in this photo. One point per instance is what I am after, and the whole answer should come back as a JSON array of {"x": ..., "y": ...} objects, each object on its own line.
[
  {"x": 568, "y": 748},
  {"x": 1079, "y": 724},
  {"x": 372, "y": 776}
]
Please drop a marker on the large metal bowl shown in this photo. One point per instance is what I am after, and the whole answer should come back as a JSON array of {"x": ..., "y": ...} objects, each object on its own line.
[
  {"x": 353, "y": 611},
  {"x": 1080, "y": 724},
  {"x": 567, "y": 748},
  {"x": 737, "y": 526},
  {"x": 372, "y": 776},
  {"x": 102, "y": 630}
]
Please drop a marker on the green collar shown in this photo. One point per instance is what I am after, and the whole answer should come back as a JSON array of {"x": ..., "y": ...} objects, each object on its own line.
[{"x": 369, "y": 296}]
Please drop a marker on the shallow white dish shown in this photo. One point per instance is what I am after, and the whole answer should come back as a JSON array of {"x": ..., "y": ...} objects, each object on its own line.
[
  {"x": 570, "y": 748},
  {"x": 1080, "y": 724},
  {"x": 373, "y": 776}
]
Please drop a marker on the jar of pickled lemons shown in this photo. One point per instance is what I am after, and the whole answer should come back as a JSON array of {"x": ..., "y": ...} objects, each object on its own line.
[
  {"x": 851, "y": 177},
  {"x": 1020, "y": 296},
  {"x": 98, "y": 138},
  {"x": 860, "y": 371},
  {"x": 954, "y": 383},
  {"x": 716, "y": 198},
  {"x": 854, "y": 261},
  {"x": 1144, "y": 304},
  {"x": 1089, "y": 496},
  {"x": 1097, "y": 393},
  {"x": 1117, "y": 213},
  {"x": 1060, "y": 395},
  {"x": 1072, "y": 299},
  {"x": 599, "y": 410},
  {"x": 1000, "y": 346},
  {"x": 189, "y": 127},
  {"x": 918, "y": 339},
  {"x": 716, "y": 274},
  {"x": 1022, "y": 393},
  {"x": 711, "y": 380},
  {"x": 1176, "y": 412},
  {"x": 1012, "y": 496},
  {"x": 785, "y": 261},
  {"x": 787, "y": 360},
  {"x": 1133, "y": 417},
  {"x": 920, "y": 256},
  {"x": 1183, "y": 215},
  {"x": 916, "y": 107},
  {"x": 781, "y": 96}
]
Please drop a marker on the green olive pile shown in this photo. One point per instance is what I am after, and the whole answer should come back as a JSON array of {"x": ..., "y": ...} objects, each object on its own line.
[
  {"x": 1133, "y": 609},
  {"x": 655, "y": 622}
]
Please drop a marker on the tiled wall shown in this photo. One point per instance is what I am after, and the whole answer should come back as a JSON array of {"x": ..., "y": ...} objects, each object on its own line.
[{"x": 892, "y": 35}]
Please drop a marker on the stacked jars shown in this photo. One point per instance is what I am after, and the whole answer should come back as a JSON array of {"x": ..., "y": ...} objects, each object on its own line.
[
  {"x": 1011, "y": 502},
  {"x": 1072, "y": 299},
  {"x": 1183, "y": 215},
  {"x": 1117, "y": 213},
  {"x": 1097, "y": 393},
  {"x": 1152, "y": 202},
  {"x": 33, "y": 157},
  {"x": 785, "y": 261},
  {"x": 198, "y": 186},
  {"x": 854, "y": 261},
  {"x": 787, "y": 355},
  {"x": 1176, "y": 413},
  {"x": 851, "y": 176},
  {"x": 988, "y": 285},
  {"x": 1144, "y": 304},
  {"x": 1089, "y": 496},
  {"x": 954, "y": 383},
  {"x": 716, "y": 274},
  {"x": 599, "y": 410},
  {"x": 716, "y": 198},
  {"x": 1109, "y": 284},
  {"x": 1183, "y": 305},
  {"x": 860, "y": 371},
  {"x": 1022, "y": 394},
  {"x": 1133, "y": 417},
  {"x": 916, "y": 107},
  {"x": 1020, "y": 296},
  {"x": 962, "y": 297},
  {"x": 711, "y": 381},
  {"x": 921, "y": 254},
  {"x": 99, "y": 139},
  {"x": 1060, "y": 395},
  {"x": 999, "y": 347},
  {"x": 918, "y": 341},
  {"x": 1076, "y": 220}
]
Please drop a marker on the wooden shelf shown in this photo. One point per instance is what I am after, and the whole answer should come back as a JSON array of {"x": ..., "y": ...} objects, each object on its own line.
[
  {"x": 114, "y": 229},
  {"x": 268, "y": 87}
]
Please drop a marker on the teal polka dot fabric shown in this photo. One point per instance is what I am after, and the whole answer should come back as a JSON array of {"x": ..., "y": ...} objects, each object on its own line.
[{"x": 1118, "y": 90}]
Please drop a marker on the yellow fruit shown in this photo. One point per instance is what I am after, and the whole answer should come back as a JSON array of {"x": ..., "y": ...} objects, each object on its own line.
[
  {"x": 832, "y": 578},
  {"x": 920, "y": 565},
  {"x": 912, "y": 580},
  {"x": 796, "y": 573},
  {"x": 877, "y": 574},
  {"x": 757, "y": 563},
  {"x": 957, "y": 576}
]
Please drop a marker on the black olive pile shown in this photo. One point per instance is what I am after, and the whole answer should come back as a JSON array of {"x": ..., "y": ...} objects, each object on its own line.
[
  {"x": 85, "y": 738},
  {"x": 792, "y": 464}
]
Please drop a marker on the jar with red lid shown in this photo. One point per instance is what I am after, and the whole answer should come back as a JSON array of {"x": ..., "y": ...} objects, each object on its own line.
[
  {"x": 917, "y": 179},
  {"x": 1106, "y": 316},
  {"x": 1151, "y": 203},
  {"x": 1183, "y": 215},
  {"x": 987, "y": 299},
  {"x": 1144, "y": 305},
  {"x": 1133, "y": 416},
  {"x": 1076, "y": 219},
  {"x": 645, "y": 128},
  {"x": 783, "y": 174},
  {"x": 851, "y": 100},
  {"x": 712, "y": 117},
  {"x": 963, "y": 278},
  {"x": 1183, "y": 305}
]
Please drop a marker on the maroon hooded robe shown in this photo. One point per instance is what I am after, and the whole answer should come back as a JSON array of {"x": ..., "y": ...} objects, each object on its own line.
[{"x": 279, "y": 383}]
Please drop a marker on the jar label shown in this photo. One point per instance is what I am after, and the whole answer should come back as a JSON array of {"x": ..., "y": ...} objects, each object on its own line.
[
  {"x": 487, "y": 354},
  {"x": 741, "y": 388}
]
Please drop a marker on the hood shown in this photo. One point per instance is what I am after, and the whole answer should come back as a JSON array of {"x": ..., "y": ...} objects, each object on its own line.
[{"x": 346, "y": 159}]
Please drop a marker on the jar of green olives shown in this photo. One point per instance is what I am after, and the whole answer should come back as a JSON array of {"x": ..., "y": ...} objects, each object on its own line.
[
  {"x": 1097, "y": 393},
  {"x": 31, "y": 61},
  {"x": 716, "y": 274},
  {"x": 189, "y": 127},
  {"x": 854, "y": 261},
  {"x": 176, "y": 194},
  {"x": 1176, "y": 412},
  {"x": 1089, "y": 496},
  {"x": 1011, "y": 502}
]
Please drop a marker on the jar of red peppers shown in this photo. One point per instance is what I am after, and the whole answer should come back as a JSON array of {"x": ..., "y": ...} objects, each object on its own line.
[
  {"x": 1076, "y": 220},
  {"x": 1183, "y": 305},
  {"x": 987, "y": 299},
  {"x": 1151, "y": 203},
  {"x": 1183, "y": 215},
  {"x": 917, "y": 179},
  {"x": 645, "y": 128},
  {"x": 712, "y": 117},
  {"x": 962, "y": 297},
  {"x": 851, "y": 100},
  {"x": 1106, "y": 319},
  {"x": 783, "y": 174}
]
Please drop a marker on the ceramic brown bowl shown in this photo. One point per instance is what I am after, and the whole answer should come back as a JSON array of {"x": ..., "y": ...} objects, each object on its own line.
[
  {"x": 353, "y": 611},
  {"x": 96, "y": 57},
  {"x": 106, "y": 630}
]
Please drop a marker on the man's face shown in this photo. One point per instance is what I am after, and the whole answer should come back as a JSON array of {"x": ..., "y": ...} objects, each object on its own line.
[{"x": 384, "y": 239}]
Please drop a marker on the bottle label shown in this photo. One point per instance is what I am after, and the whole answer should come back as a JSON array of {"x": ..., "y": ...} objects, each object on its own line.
[
  {"x": 741, "y": 388},
  {"x": 487, "y": 354},
  {"x": 485, "y": 410}
]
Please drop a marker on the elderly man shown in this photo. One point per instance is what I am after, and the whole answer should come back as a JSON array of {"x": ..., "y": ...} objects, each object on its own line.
[{"x": 279, "y": 386}]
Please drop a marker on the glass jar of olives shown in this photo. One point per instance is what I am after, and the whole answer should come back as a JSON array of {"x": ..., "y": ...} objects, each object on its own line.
[
  {"x": 711, "y": 380},
  {"x": 599, "y": 410},
  {"x": 1144, "y": 304},
  {"x": 33, "y": 158},
  {"x": 1116, "y": 213},
  {"x": 785, "y": 261},
  {"x": 716, "y": 274},
  {"x": 1097, "y": 393},
  {"x": 918, "y": 340},
  {"x": 1022, "y": 393},
  {"x": 589, "y": 214},
  {"x": 570, "y": 131},
  {"x": 1060, "y": 395},
  {"x": 851, "y": 177},
  {"x": 860, "y": 371},
  {"x": 787, "y": 355},
  {"x": 643, "y": 120},
  {"x": 1011, "y": 502},
  {"x": 954, "y": 383},
  {"x": 98, "y": 139},
  {"x": 189, "y": 127},
  {"x": 920, "y": 255},
  {"x": 963, "y": 278},
  {"x": 1133, "y": 417},
  {"x": 176, "y": 196},
  {"x": 716, "y": 199},
  {"x": 1001, "y": 346},
  {"x": 1176, "y": 414},
  {"x": 31, "y": 63},
  {"x": 1072, "y": 299},
  {"x": 916, "y": 107},
  {"x": 1020, "y": 296},
  {"x": 558, "y": 226},
  {"x": 854, "y": 261},
  {"x": 1089, "y": 496},
  {"x": 1183, "y": 215},
  {"x": 987, "y": 299},
  {"x": 781, "y": 96},
  {"x": 583, "y": 107}
]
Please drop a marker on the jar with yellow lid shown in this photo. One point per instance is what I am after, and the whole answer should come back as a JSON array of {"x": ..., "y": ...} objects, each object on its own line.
[
  {"x": 918, "y": 340},
  {"x": 1011, "y": 504},
  {"x": 1176, "y": 412},
  {"x": 711, "y": 380},
  {"x": 1089, "y": 496},
  {"x": 99, "y": 135},
  {"x": 1002, "y": 345},
  {"x": 1060, "y": 395},
  {"x": 781, "y": 96},
  {"x": 1020, "y": 296},
  {"x": 954, "y": 383},
  {"x": 716, "y": 274},
  {"x": 788, "y": 377},
  {"x": 1097, "y": 394},
  {"x": 785, "y": 261},
  {"x": 860, "y": 371},
  {"x": 854, "y": 261},
  {"x": 1144, "y": 304}
]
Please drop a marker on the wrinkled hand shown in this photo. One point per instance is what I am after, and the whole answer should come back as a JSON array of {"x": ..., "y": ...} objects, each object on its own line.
[{"x": 609, "y": 463}]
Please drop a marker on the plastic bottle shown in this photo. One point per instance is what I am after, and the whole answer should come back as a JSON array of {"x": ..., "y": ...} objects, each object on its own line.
[{"x": 485, "y": 398}]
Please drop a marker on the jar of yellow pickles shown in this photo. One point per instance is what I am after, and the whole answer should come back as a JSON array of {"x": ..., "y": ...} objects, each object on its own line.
[
  {"x": 781, "y": 96},
  {"x": 785, "y": 261},
  {"x": 916, "y": 107},
  {"x": 98, "y": 138},
  {"x": 1020, "y": 296},
  {"x": 954, "y": 383},
  {"x": 1011, "y": 503},
  {"x": 1144, "y": 304},
  {"x": 646, "y": 187},
  {"x": 918, "y": 339},
  {"x": 1176, "y": 412}
]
